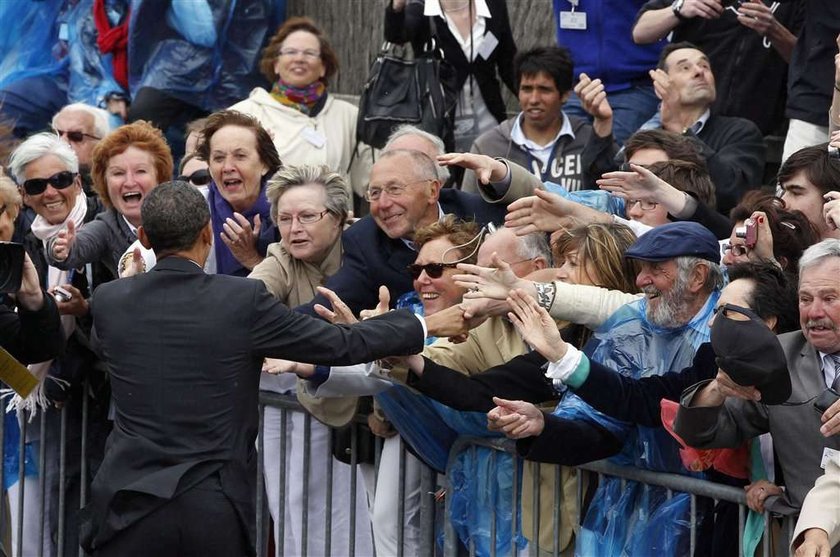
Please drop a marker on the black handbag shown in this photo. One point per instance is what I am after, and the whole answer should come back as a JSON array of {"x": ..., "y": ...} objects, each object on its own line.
[{"x": 403, "y": 90}]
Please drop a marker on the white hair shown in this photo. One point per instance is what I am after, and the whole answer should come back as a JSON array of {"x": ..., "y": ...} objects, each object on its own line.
[
  {"x": 408, "y": 129},
  {"x": 815, "y": 254},
  {"x": 37, "y": 146},
  {"x": 101, "y": 118}
]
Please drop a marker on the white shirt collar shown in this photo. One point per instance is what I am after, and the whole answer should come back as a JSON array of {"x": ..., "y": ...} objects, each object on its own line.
[
  {"x": 827, "y": 363},
  {"x": 130, "y": 226},
  {"x": 410, "y": 243},
  {"x": 698, "y": 126},
  {"x": 433, "y": 8},
  {"x": 518, "y": 136}
]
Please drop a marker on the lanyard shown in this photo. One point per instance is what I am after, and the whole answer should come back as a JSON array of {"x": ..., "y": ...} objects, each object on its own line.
[{"x": 574, "y": 4}]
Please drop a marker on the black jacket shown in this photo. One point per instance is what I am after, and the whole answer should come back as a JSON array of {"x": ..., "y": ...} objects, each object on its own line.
[
  {"x": 410, "y": 25},
  {"x": 184, "y": 350}
]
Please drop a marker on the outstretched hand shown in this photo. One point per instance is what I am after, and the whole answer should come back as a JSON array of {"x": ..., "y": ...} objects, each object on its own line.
[
  {"x": 383, "y": 306},
  {"x": 488, "y": 282},
  {"x": 63, "y": 243},
  {"x": 486, "y": 169},
  {"x": 340, "y": 314},
  {"x": 639, "y": 183},
  {"x": 515, "y": 418},
  {"x": 536, "y": 326}
]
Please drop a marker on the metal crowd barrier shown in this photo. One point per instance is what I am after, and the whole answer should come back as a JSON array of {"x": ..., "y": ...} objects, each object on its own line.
[{"x": 428, "y": 511}]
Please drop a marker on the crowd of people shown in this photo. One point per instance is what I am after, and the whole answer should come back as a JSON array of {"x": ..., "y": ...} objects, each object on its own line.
[{"x": 616, "y": 270}]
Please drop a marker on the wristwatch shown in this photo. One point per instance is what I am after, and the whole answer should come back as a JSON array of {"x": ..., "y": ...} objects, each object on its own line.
[{"x": 676, "y": 7}]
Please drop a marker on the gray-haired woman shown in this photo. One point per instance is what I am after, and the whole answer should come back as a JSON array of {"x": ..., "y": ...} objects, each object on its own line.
[{"x": 309, "y": 205}]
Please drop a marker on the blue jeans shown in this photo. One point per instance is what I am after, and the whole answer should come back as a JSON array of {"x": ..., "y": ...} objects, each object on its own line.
[{"x": 631, "y": 108}]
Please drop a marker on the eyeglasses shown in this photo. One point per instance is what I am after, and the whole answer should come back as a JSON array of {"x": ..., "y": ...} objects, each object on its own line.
[
  {"x": 643, "y": 205},
  {"x": 303, "y": 218},
  {"x": 75, "y": 136},
  {"x": 200, "y": 177},
  {"x": 393, "y": 190},
  {"x": 736, "y": 249},
  {"x": 37, "y": 186},
  {"x": 3, "y": 210},
  {"x": 307, "y": 53},
  {"x": 434, "y": 270}
]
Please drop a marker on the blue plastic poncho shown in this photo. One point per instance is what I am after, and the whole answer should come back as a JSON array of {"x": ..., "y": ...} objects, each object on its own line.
[
  {"x": 600, "y": 200},
  {"x": 479, "y": 481},
  {"x": 166, "y": 53},
  {"x": 622, "y": 521}
]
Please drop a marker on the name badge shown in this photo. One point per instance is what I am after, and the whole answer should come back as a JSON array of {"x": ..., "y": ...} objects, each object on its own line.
[
  {"x": 488, "y": 45},
  {"x": 573, "y": 20},
  {"x": 314, "y": 137},
  {"x": 829, "y": 454}
]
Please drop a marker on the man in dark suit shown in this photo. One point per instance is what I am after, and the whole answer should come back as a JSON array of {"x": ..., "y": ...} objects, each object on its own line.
[
  {"x": 184, "y": 351},
  {"x": 721, "y": 413},
  {"x": 405, "y": 194}
]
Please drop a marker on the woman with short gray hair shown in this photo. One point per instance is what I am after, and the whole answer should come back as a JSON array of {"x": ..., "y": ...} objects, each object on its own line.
[{"x": 309, "y": 205}]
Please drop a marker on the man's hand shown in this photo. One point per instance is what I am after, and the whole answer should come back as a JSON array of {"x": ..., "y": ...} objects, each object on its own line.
[
  {"x": 450, "y": 322},
  {"x": 547, "y": 212},
  {"x": 486, "y": 169},
  {"x": 722, "y": 387},
  {"x": 642, "y": 184},
  {"x": 707, "y": 9},
  {"x": 814, "y": 544},
  {"x": 340, "y": 314},
  {"x": 384, "y": 305},
  {"x": 593, "y": 98},
  {"x": 276, "y": 366},
  {"x": 379, "y": 427},
  {"x": 30, "y": 296},
  {"x": 241, "y": 239},
  {"x": 536, "y": 326},
  {"x": 831, "y": 420},
  {"x": 763, "y": 248},
  {"x": 758, "y": 492},
  {"x": 515, "y": 418},
  {"x": 76, "y": 305},
  {"x": 63, "y": 243},
  {"x": 757, "y": 16},
  {"x": 490, "y": 282},
  {"x": 670, "y": 97}
]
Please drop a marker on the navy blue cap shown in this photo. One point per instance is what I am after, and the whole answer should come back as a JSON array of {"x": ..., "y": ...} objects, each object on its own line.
[{"x": 676, "y": 239}]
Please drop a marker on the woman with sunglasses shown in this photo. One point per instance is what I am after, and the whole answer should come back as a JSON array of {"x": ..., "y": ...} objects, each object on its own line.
[
  {"x": 308, "y": 125},
  {"x": 48, "y": 171},
  {"x": 126, "y": 165},
  {"x": 195, "y": 171}
]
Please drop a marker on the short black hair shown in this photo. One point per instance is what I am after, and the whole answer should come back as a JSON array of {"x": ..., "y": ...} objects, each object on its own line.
[
  {"x": 671, "y": 48},
  {"x": 821, "y": 170},
  {"x": 174, "y": 214},
  {"x": 553, "y": 60},
  {"x": 774, "y": 293}
]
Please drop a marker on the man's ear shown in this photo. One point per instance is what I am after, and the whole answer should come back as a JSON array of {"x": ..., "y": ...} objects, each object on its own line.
[
  {"x": 434, "y": 192},
  {"x": 207, "y": 234},
  {"x": 540, "y": 263},
  {"x": 698, "y": 277},
  {"x": 144, "y": 239}
]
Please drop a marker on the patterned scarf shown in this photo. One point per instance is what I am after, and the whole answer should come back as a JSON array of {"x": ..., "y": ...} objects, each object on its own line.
[{"x": 303, "y": 99}]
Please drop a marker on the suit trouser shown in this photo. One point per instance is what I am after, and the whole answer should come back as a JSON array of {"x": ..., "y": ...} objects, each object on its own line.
[{"x": 201, "y": 522}]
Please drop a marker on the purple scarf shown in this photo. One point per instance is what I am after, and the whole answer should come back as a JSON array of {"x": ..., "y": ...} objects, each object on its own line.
[{"x": 220, "y": 210}]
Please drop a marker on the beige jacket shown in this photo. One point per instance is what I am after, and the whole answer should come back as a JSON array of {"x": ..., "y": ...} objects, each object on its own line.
[
  {"x": 821, "y": 508},
  {"x": 327, "y": 138}
]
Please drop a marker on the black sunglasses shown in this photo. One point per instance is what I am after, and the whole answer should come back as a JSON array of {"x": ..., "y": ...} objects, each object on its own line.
[
  {"x": 200, "y": 177},
  {"x": 36, "y": 186},
  {"x": 75, "y": 136},
  {"x": 434, "y": 270}
]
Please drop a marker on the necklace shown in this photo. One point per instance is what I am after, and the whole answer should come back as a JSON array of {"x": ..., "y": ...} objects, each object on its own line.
[{"x": 460, "y": 8}]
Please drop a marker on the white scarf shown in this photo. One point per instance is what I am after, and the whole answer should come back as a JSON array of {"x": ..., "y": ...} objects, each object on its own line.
[{"x": 45, "y": 232}]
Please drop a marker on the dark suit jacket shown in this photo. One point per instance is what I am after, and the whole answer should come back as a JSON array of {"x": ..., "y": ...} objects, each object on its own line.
[
  {"x": 185, "y": 350},
  {"x": 795, "y": 428},
  {"x": 410, "y": 25},
  {"x": 372, "y": 259}
]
